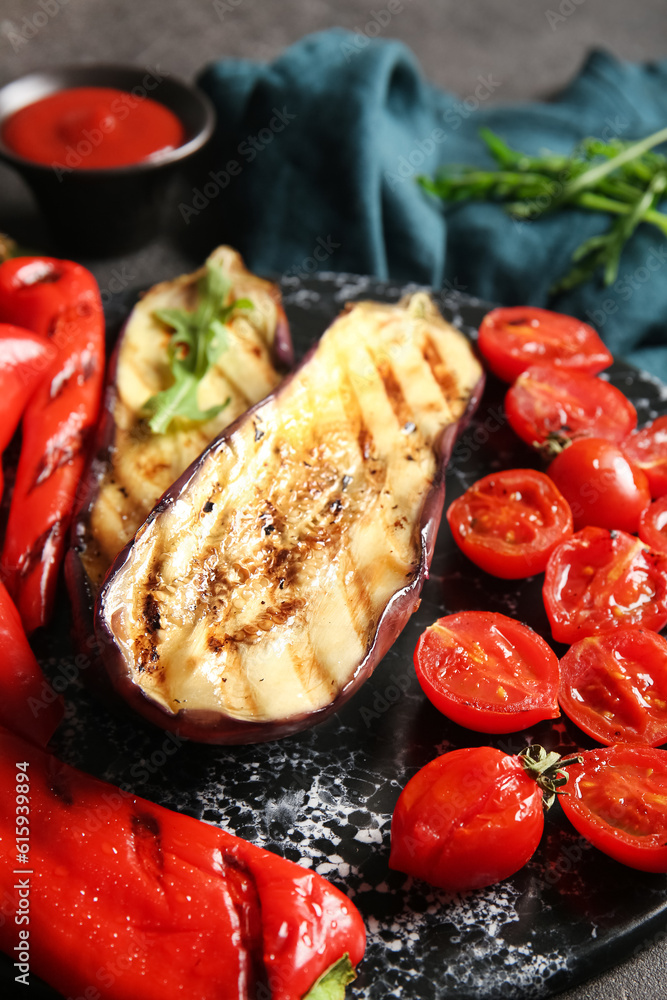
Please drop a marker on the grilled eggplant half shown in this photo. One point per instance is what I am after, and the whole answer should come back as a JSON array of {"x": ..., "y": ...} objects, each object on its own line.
[
  {"x": 271, "y": 579},
  {"x": 132, "y": 465}
]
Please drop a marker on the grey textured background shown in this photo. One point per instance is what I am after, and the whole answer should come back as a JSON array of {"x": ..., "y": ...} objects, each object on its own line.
[
  {"x": 455, "y": 40},
  {"x": 530, "y": 47}
]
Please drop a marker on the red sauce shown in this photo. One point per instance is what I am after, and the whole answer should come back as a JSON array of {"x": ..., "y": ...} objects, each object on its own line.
[{"x": 90, "y": 128}]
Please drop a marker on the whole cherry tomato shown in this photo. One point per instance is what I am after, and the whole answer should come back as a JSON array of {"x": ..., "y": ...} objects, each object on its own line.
[
  {"x": 473, "y": 817},
  {"x": 614, "y": 686},
  {"x": 600, "y": 485},
  {"x": 598, "y": 579},
  {"x": 647, "y": 449},
  {"x": 515, "y": 338},
  {"x": 547, "y": 403},
  {"x": 653, "y": 525},
  {"x": 488, "y": 672},
  {"x": 617, "y": 800},
  {"x": 508, "y": 523}
]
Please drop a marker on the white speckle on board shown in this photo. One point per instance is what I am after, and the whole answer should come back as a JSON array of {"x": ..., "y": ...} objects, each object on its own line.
[
  {"x": 328, "y": 811},
  {"x": 368, "y": 836},
  {"x": 326, "y": 868}
]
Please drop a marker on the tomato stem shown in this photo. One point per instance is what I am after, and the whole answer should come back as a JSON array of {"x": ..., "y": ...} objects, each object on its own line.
[
  {"x": 547, "y": 770},
  {"x": 553, "y": 445}
]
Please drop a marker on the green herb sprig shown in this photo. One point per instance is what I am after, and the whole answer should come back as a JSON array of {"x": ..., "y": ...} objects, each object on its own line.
[
  {"x": 198, "y": 340},
  {"x": 624, "y": 179}
]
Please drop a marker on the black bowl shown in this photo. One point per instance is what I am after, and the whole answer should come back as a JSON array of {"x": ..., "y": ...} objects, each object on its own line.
[{"x": 109, "y": 211}]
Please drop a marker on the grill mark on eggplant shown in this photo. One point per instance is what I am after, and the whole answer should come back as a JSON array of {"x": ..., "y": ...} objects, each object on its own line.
[
  {"x": 443, "y": 375},
  {"x": 240, "y": 688},
  {"x": 355, "y": 419},
  {"x": 357, "y": 595},
  {"x": 365, "y": 439},
  {"x": 361, "y": 597},
  {"x": 394, "y": 392},
  {"x": 320, "y": 512},
  {"x": 148, "y": 657},
  {"x": 142, "y": 469},
  {"x": 273, "y": 564},
  {"x": 146, "y": 464},
  {"x": 151, "y": 614},
  {"x": 307, "y": 666},
  {"x": 277, "y": 562},
  {"x": 238, "y": 391},
  {"x": 284, "y": 610}
]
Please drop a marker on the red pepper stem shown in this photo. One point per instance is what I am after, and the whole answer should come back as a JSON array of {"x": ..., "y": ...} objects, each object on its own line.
[{"x": 547, "y": 770}]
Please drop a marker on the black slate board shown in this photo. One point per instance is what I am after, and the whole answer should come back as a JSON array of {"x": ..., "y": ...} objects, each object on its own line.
[{"x": 325, "y": 797}]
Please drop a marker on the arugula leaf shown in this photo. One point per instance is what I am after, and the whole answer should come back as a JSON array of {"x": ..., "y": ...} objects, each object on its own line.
[
  {"x": 625, "y": 179},
  {"x": 198, "y": 340},
  {"x": 604, "y": 251},
  {"x": 331, "y": 984}
]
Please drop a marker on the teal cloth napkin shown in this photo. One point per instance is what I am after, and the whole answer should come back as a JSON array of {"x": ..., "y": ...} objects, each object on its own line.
[{"x": 317, "y": 155}]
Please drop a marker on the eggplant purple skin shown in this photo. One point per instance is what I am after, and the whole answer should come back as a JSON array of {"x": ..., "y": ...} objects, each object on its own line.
[
  {"x": 283, "y": 348},
  {"x": 79, "y": 586},
  {"x": 217, "y": 727}
]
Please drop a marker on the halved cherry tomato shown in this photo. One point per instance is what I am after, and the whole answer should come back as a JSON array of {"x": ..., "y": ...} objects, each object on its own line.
[
  {"x": 547, "y": 402},
  {"x": 473, "y": 817},
  {"x": 508, "y": 523},
  {"x": 653, "y": 525},
  {"x": 617, "y": 800},
  {"x": 598, "y": 579},
  {"x": 488, "y": 672},
  {"x": 515, "y": 338},
  {"x": 600, "y": 485},
  {"x": 614, "y": 686},
  {"x": 647, "y": 449}
]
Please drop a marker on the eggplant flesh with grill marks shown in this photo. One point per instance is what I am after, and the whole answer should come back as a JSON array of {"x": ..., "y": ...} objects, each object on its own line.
[
  {"x": 274, "y": 575},
  {"x": 132, "y": 466}
]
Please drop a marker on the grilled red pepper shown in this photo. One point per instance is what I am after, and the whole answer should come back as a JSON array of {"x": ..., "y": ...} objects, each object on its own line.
[
  {"x": 28, "y": 704},
  {"x": 24, "y": 359},
  {"x": 142, "y": 903},
  {"x": 59, "y": 300}
]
